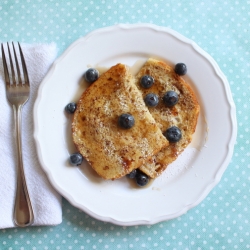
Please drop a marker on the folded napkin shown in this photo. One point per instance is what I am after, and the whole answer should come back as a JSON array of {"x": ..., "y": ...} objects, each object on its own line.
[{"x": 45, "y": 200}]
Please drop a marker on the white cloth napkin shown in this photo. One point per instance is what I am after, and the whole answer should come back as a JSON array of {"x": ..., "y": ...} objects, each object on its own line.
[{"x": 45, "y": 200}]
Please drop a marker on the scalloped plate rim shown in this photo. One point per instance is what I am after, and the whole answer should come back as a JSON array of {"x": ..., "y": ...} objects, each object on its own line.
[{"x": 209, "y": 187}]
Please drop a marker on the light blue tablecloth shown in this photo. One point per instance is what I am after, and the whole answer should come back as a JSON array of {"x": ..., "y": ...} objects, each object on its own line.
[{"x": 222, "y": 28}]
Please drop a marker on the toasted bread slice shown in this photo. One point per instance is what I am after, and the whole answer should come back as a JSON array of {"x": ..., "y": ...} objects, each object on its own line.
[
  {"x": 184, "y": 114},
  {"x": 111, "y": 150}
]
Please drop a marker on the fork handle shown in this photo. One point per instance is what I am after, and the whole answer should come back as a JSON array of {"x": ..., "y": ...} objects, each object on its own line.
[{"x": 23, "y": 212}]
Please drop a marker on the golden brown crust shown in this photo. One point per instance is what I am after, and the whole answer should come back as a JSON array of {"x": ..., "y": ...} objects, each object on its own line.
[
  {"x": 183, "y": 115},
  {"x": 112, "y": 151}
]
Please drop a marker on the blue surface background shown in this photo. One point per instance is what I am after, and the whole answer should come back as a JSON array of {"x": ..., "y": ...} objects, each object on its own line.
[{"x": 221, "y": 28}]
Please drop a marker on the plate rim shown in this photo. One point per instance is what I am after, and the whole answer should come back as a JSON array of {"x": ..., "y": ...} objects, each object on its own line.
[{"x": 220, "y": 171}]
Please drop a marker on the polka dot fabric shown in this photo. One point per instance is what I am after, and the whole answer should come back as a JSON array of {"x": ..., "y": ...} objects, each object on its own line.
[{"x": 222, "y": 28}]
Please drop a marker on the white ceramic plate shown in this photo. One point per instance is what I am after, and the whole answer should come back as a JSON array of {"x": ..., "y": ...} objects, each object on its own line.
[{"x": 188, "y": 180}]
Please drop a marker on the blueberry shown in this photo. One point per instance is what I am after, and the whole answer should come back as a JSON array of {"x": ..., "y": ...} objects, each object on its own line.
[
  {"x": 91, "y": 75},
  {"x": 71, "y": 107},
  {"x": 180, "y": 69},
  {"x": 132, "y": 174},
  {"x": 173, "y": 134},
  {"x": 151, "y": 100},
  {"x": 170, "y": 98},
  {"x": 141, "y": 179},
  {"x": 147, "y": 81},
  {"x": 76, "y": 159},
  {"x": 126, "y": 121}
]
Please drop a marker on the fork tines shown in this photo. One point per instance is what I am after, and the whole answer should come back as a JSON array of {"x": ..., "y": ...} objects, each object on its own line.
[{"x": 13, "y": 72}]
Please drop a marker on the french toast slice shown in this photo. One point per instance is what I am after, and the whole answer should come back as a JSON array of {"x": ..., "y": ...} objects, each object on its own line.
[
  {"x": 183, "y": 115},
  {"x": 111, "y": 150}
]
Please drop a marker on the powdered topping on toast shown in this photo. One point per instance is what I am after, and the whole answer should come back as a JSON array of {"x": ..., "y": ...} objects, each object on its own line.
[
  {"x": 183, "y": 114},
  {"x": 111, "y": 150}
]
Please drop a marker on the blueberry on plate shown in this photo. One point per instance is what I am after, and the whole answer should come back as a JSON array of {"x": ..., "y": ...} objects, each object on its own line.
[
  {"x": 173, "y": 134},
  {"x": 126, "y": 121},
  {"x": 71, "y": 107},
  {"x": 91, "y": 75},
  {"x": 76, "y": 159},
  {"x": 170, "y": 98},
  {"x": 151, "y": 100},
  {"x": 141, "y": 179},
  {"x": 132, "y": 174},
  {"x": 147, "y": 81},
  {"x": 180, "y": 69}
]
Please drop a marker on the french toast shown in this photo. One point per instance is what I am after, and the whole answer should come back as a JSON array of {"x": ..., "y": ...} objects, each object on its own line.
[
  {"x": 183, "y": 115},
  {"x": 111, "y": 150}
]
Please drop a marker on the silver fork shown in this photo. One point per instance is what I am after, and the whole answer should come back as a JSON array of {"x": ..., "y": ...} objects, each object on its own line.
[{"x": 17, "y": 95}]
